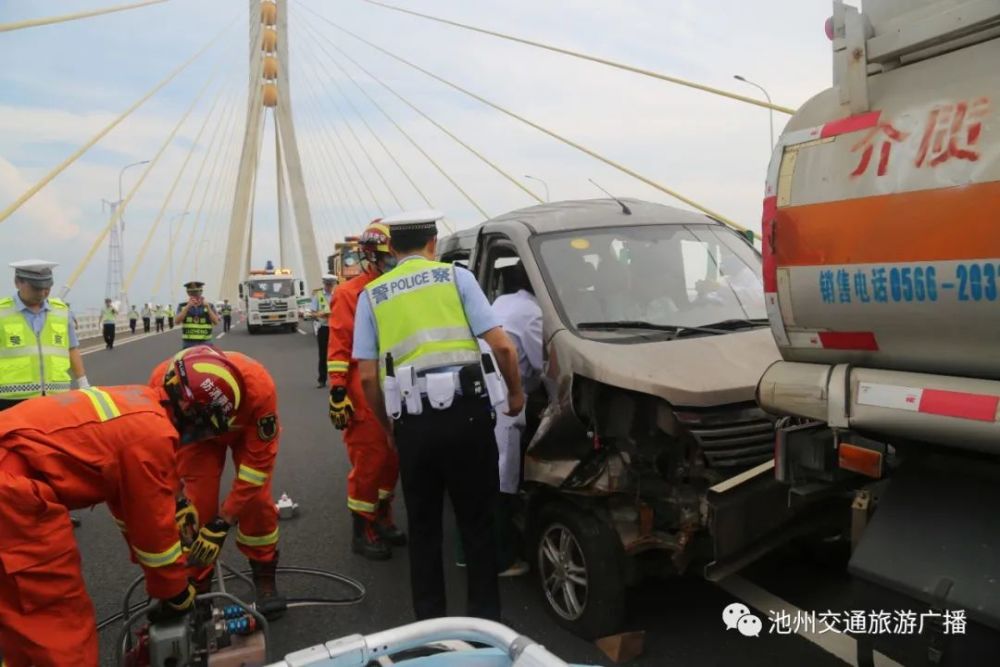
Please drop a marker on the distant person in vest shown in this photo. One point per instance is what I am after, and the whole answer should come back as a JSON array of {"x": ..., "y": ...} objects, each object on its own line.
[
  {"x": 197, "y": 317},
  {"x": 227, "y": 315},
  {"x": 161, "y": 317},
  {"x": 147, "y": 316},
  {"x": 170, "y": 314},
  {"x": 30, "y": 321},
  {"x": 133, "y": 317},
  {"x": 321, "y": 302},
  {"x": 108, "y": 316}
]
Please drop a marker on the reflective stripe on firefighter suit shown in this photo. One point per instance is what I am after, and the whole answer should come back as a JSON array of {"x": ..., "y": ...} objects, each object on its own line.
[
  {"x": 374, "y": 464},
  {"x": 253, "y": 440},
  {"x": 71, "y": 451}
]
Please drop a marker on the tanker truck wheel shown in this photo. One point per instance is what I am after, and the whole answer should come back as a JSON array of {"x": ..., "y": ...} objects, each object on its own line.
[
  {"x": 253, "y": 329},
  {"x": 581, "y": 570}
]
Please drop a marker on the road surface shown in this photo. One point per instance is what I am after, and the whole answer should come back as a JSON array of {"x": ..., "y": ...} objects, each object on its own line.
[{"x": 682, "y": 617}]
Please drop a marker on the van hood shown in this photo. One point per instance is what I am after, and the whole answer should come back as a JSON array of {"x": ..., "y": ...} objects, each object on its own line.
[{"x": 704, "y": 371}]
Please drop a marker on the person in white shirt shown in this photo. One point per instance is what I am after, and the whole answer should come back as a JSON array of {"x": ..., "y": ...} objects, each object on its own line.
[{"x": 521, "y": 318}]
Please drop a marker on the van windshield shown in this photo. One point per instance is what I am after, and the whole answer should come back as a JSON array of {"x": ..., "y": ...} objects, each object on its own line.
[
  {"x": 661, "y": 275},
  {"x": 269, "y": 289}
]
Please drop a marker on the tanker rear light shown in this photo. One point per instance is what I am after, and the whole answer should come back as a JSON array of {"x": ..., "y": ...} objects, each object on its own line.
[{"x": 861, "y": 460}]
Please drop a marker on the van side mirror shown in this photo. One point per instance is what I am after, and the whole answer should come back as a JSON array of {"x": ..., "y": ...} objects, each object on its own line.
[
  {"x": 749, "y": 235},
  {"x": 241, "y": 290}
]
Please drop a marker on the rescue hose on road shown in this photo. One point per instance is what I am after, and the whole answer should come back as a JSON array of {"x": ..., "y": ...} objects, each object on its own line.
[{"x": 131, "y": 613}]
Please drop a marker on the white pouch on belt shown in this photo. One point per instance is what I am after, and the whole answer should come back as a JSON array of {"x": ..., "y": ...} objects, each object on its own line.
[
  {"x": 440, "y": 390},
  {"x": 407, "y": 378},
  {"x": 393, "y": 398},
  {"x": 496, "y": 388}
]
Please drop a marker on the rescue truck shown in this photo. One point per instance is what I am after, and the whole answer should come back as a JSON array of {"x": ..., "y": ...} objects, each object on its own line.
[
  {"x": 345, "y": 262},
  {"x": 270, "y": 299},
  {"x": 881, "y": 255}
]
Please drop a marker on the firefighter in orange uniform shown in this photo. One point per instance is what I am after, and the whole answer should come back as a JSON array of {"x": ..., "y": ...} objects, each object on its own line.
[
  {"x": 253, "y": 439},
  {"x": 68, "y": 451},
  {"x": 374, "y": 464}
]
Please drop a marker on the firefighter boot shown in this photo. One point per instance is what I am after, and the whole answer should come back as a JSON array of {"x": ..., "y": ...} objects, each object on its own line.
[
  {"x": 367, "y": 540},
  {"x": 387, "y": 527},
  {"x": 270, "y": 603}
]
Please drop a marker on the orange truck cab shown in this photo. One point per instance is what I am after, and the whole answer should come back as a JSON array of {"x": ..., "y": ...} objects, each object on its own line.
[{"x": 881, "y": 260}]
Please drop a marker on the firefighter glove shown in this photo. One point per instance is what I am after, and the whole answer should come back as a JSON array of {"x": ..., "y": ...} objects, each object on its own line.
[
  {"x": 207, "y": 547},
  {"x": 341, "y": 408},
  {"x": 186, "y": 518},
  {"x": 175, "y": 607}
]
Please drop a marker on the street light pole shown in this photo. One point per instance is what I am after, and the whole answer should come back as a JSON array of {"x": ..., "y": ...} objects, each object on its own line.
[
  {"x": 535, "y": 178},
  {"x": 121, "y": 222},
  {"x": 770, "y": 111},
  {"x": 170, "y": 257}
]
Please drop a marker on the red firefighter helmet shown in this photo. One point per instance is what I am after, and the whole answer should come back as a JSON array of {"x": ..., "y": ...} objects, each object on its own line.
[
  {"x": 373, "y": 240},
  {"x": 205, "y": 389}
]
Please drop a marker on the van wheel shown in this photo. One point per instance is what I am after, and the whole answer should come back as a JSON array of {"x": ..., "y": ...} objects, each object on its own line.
[
  {"x": 252, "y": 329},
  {"x": 581, "y": 571}
]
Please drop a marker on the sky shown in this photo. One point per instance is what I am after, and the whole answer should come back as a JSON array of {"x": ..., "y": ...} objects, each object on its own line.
[{"x": 65, "y": 82}]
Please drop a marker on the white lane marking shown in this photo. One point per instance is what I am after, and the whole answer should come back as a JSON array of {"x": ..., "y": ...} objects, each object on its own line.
[
  {"x": 839, "y": 645},
  {"x": 301, "y": 331},
  {"x": 220, "y": 336},
  {"x": 126, "y": 341}
]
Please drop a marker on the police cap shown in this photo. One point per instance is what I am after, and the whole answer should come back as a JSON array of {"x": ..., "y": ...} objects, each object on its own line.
[
  {"x": 413, "y": 221},
  {"x": 37, "y": 272}
]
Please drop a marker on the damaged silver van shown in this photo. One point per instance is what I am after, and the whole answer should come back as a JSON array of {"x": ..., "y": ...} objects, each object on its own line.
[{"x": 645, "y": 452}]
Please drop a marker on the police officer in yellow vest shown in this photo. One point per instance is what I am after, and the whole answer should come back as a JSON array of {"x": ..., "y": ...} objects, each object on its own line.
[
  {"x": 39, "y": 350},
  {"x": 433, "y": 391},
  {"x": 227, "y": 315},
  {"x": 321, "y": 302},
  {"x": 197, "y": 317}
]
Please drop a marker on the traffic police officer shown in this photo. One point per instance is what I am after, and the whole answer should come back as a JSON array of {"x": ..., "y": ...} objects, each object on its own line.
[
  {"x": 321, "y": 312},
  {"x": 414, "y": 336},
  {"x": 227, "y": 316},
  {"x": 36, "y": 327},
  {"x": 196, "y": 317},
  {"x": 109, "y": 317}
]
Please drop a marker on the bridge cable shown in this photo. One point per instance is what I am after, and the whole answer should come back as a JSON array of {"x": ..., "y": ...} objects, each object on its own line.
[
  {"x": 137, "y": 262},
  {"x": 320, "y": 168},
  {"x": 340, "y": 141},
  {"x": 49, "y": 20},
  {"x": 45, "y": 180},
  {"x": 337, "y": 199},
  {"x": 326, "y": 201},
  {"x": 336, "y": 166},
  {"x": 418, "y": 147},
  {"x": 225, "y": 113},
  {"x": 569, "y": 142},
  {"x": 320, "y": 155},
  {"x": 375, "y": 134},
  {"x": 119, "y": 210},
  {"x": 224, "y": 148},
  {"x": 594, "y": 59},
  {"x": 436, "y": 124},
  {"x": 330, "y": 146},
  {"x": 413, "y": 142},
  {"x": 226, "y": 183},
  {"x": 350, "y": 128},
  {"x": 228, "y": 116}
]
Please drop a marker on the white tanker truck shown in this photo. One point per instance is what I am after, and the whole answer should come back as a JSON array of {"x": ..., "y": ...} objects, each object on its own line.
[{"x": 881, "y": 235}]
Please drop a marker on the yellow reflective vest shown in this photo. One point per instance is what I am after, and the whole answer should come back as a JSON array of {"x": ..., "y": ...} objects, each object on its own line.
[
  {"x": 420, "y": 318},
  {"x": 33, "y": 365},
  {"x": 197, "y": 327}
]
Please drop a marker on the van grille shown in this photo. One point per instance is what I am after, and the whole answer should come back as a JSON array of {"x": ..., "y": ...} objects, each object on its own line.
[{"x": 737, "y": 436}]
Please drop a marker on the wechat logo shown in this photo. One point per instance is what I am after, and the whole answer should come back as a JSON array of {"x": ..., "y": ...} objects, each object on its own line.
[{"x": 738, "y": 616}]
